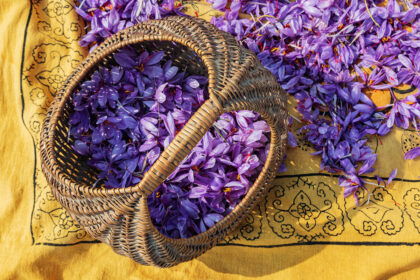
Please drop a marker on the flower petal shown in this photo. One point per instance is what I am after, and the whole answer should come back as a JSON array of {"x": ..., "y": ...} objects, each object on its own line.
[
  {"x": 412, "y": 154},
  {"x": 392, "y": 176}
]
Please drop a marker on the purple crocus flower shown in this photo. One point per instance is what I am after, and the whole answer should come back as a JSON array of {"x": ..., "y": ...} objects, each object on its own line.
[
  {"x": 404, "y": 112},
  {"x": 410, "y": 74}
]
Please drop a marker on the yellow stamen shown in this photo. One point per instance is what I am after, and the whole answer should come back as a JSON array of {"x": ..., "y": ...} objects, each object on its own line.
[
  {"x": 385, "y": 39},
  {"x": 270, "y": 16},
  {"x": 367, "y": 8},
  {"x": 227, "y": 190}
]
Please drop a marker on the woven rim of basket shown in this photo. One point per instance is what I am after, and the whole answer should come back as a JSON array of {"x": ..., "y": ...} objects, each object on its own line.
[
  {"x": 137, "y": 37},
  {"x": 81, "y": 73}
]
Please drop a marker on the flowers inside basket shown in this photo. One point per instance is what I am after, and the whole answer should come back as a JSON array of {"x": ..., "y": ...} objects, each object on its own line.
[
  {"x": 127, "y": 113},
  {"x": 164, "y": 138}
]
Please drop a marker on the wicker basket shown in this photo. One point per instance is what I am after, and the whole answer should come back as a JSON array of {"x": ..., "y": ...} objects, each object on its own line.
[{"x": 120, "y": 217}]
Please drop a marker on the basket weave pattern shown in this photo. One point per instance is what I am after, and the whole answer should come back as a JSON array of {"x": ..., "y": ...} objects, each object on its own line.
[{"x": 120, "y": 217}]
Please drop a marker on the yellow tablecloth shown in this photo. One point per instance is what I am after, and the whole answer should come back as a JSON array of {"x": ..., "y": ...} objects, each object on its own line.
[{"x": 303, "y": 229}]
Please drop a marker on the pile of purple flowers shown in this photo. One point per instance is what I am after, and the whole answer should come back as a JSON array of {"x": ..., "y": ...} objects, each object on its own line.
[
  {"x": 107, "y": 17},
  {"x": 329, "y": 55},
  {"x": 126, "y": 114}
]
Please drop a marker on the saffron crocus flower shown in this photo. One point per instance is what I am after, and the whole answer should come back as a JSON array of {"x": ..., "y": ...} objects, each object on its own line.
[
  {"x": 410, "y": 73},
  {"x": 374, "y": 79},
  {"x": 404, "y": 112}
]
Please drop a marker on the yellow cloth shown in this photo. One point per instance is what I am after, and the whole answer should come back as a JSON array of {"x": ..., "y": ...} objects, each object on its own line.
[{"x": 303, "y": 229}]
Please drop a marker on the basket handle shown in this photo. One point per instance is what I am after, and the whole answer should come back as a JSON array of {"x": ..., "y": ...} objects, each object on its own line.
[{"x": 180, "y": 147}]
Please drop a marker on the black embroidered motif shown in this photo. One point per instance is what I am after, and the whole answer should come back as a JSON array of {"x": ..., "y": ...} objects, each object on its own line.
[
  {"x": 409, "y": 140},
  {"x": 250, "y": 228},
  {"x": 53, "y": 223},
  {"x": 379, "y": 210},
  {"x": 63, "y": 225},
  {"x": 412, "y": 206},
  {"x": 38, "y": 97},
  {"x": 35, "y": 122},
  {"x": 47, "y": 61},
  {"x": 62, "y": 60},
  {"x": 304, "y": 211},
  {"x": 58, "y": 21}
]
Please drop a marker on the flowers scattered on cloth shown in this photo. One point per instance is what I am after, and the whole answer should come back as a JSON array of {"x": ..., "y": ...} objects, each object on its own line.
[
  {"x": 126, "y": 114},
  {"x": 328, "y": 54}
]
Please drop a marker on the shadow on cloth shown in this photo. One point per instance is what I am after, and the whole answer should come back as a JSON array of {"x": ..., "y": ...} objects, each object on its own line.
[
  {"x": 399, "y": 271},
  {"x": 253, "y": 262}
]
